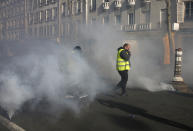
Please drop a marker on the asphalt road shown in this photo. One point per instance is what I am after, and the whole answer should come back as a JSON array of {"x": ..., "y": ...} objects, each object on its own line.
[
  {"x": 2, "y": 128},
  {"x": 139, "y": 111}
]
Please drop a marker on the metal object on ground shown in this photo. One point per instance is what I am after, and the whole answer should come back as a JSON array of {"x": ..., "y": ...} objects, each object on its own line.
[
  {"x": 83, "y": 96},
  {"x": 10, "y": 114},
  {"x": 73, "y": 96},
  {"x": 178, "y": 81},
  {"x": 178, "y": 66}
]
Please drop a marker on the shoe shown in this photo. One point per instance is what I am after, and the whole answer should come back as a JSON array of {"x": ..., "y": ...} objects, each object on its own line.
[
  {"x": 132, "y": 115},
  {"x": 123, "y": 93},
  {"x": 116, "y": 88}
]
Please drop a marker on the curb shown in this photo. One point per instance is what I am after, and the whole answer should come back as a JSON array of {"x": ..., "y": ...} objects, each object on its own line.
[{"x": 10, "y": 125}]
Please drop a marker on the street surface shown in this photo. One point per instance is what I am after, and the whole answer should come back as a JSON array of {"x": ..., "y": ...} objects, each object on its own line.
[{"x": 139, "y": 111}]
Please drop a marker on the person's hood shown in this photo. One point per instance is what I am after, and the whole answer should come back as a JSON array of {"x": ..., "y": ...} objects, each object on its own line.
[{"x": 120, "y": 48}]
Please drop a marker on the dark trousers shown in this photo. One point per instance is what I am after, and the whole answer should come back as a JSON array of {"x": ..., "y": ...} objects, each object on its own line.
[{"x": 124, "y": 78}]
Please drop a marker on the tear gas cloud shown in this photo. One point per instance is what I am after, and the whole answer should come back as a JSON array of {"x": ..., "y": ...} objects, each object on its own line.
[
  {"x": 47, "y": 75},
  {"x": 147, "y": 71},
  {"x": 50, "y": 71}
]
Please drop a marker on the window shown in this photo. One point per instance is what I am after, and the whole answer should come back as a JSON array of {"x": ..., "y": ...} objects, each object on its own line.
[
  {"x": 63, "y": 29},
  {"x": 41, "y": 16},
  {"x": 188, "y": 10},
  {"x": 46, "y": 14},
  {"x": 35, "y": 31},
  {"x": 93, "y": 5},
  {"x": 44, "y": 31},
  {"x": 74, "y": 7},
  {"x": 93, "y": 21},
  {"x": 68, "y": 28},
  {"x": 30, "y": 18},
  {"x": 48, "y": 30},
  {"x": 52, "y": 1},
  {"x": 54, "y": 30},
  {"x": 54, "y": 13},
  {"x": 131, "y": 19},
  {"x": 35, "y": 4},
  {"x": 63, "y": 8},
  {"x": 118, "y": 19},
  {"x": 30, "y": 31},
  {"x": 106, "y": 20},
  {"x": 41, "y": 31},
  {"x": 22, "y": 9},
  {"x": 36, "y": 18},
  {"x": 40, "y": 3},
  {"x": 47, "y": 2},
  {"x": 180, "y": 12},
  {"x": 163, "y": 17},
  {"x": 145, "y": 17},
  {"x": 79, "y": 6}
]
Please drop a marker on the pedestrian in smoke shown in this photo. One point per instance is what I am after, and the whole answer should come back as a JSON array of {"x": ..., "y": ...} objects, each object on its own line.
[
  {"x": 77, "y": 50},
  {"x": 123, "y": 66},
  {"x": 77, "y": 74}
]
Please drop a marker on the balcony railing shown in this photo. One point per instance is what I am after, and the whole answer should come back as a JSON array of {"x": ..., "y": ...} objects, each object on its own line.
[
  {"x": 129, "y": 27},
  {"x": 144, "y": 26},
  {"x": 137, "y": 27}
]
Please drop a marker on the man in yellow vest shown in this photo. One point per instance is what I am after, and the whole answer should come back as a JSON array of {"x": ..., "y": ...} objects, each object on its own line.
[{"x": 123, "y": 65}]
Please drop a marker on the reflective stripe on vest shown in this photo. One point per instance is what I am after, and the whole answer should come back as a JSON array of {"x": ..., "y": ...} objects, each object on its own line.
[{"x": 121, "y": 63}]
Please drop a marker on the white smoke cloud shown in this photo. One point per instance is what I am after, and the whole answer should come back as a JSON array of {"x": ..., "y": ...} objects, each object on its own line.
[
  {"x": 50, "y": 76},
  {"x": 52, "y": 72},
  {"x": 12, "y": 92},
  {"x": 147, "y": 72}
]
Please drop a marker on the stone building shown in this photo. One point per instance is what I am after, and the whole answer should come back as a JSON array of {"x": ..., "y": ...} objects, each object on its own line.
[
  {"x": 125, "y": 15},
  {"x": 12, "y": 19},
  {"x": 55, "y": 18},
  {"x": 42, "y": 17},
  {"x": 183, "y": 15},
  {"x": 61, "y": 19}
]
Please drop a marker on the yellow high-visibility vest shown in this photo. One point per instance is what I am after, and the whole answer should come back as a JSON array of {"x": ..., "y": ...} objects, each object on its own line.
[{"x": 121, "y": 63}]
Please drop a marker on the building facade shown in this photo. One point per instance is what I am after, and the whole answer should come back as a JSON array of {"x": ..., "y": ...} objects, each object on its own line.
[
  {"x": 183, "y": 15},
  {"x": 12, "y": 19},
  {"x": 42, "y": 18},
  {"x": 50, "y": 19},
  {"x": 61, "y": 19},
  {"x": 124, "y": 15}
]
